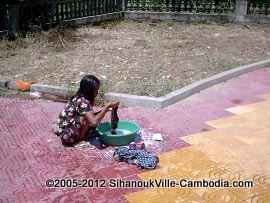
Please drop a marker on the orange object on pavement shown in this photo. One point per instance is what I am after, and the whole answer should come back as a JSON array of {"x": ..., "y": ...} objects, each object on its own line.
[{"x": 23, "y": 86}]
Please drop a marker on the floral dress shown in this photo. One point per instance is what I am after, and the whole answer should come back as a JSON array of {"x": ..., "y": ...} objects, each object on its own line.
[{"x": 69, "y": 122}]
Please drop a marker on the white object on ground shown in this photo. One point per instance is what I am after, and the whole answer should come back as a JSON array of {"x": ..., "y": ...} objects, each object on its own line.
[
  {"x": 35, "y": 94},
  {"x": 84, "y": 145},
  {"x": 157, "y": 137}
]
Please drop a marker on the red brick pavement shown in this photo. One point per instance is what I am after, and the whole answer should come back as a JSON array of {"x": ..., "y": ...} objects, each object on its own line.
[{"x": 30, "y": 153}]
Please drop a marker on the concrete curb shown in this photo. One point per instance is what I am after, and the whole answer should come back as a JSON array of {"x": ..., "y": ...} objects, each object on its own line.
[
  {"x": 50, "y": 89},
  {"x": 12, "y": 85},
  {"x": 3, "y": 82},
  {"x": 127, "y": 100},
  {"x": 94, "y": 19},
  {"x": 47, "y": 89},
  {"x": 173, "y": 97},
  {"x": 188, "y": 17},
  {"x": 196, "y": 17},
  {"x": 150, "y": 102}
]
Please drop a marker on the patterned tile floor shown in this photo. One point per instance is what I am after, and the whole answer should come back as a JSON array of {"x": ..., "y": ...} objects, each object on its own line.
[
  {"x": 220, "y": 133},
  {"x": 237, "y": 150}
]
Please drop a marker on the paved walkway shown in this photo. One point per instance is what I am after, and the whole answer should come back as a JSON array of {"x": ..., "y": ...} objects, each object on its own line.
[{"x": 221, "y": 133}]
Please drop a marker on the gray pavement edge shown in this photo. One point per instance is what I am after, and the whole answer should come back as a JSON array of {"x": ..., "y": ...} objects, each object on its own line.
[
  {"x": 127, "y": 100},
  {"x": 176, "y": 96}
]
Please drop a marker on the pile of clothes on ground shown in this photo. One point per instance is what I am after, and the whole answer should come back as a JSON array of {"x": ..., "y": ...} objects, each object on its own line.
[{"x": 136, "y": 154}]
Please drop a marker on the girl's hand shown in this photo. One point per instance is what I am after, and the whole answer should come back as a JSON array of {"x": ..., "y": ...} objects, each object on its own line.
[
  {"x": 112, "y": 104},
  {"x": 94, "y": 120}
]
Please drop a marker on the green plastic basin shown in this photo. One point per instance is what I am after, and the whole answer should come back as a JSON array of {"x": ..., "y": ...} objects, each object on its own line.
[{"x": 126, "y": 132}]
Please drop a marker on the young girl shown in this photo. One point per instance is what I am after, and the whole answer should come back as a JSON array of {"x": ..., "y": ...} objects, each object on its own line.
[{"x": 77, "y": 116}]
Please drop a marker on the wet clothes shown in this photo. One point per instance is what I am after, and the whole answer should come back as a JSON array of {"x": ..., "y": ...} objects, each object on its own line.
[{"x": 142, "y": 158}]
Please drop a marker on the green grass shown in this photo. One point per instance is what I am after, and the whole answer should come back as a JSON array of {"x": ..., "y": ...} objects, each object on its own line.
[{"x": 226, "y": 64}]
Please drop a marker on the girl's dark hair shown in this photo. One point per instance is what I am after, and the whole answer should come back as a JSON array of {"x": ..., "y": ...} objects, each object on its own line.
[{"x": 88, "y": 85}]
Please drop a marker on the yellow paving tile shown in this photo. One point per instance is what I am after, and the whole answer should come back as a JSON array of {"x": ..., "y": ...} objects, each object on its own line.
[
  {"x": 225, "y": 122},
  {"x": 248, "y": 194},
  {"x": 264, "y": 96},
  {"x": 241, "y": 109},
  {"x": 260, "y": 106},
  {"x": 220, "y": 196},
  {"x": 263, "y": 198},
  {"x": 237, "y": 150}
]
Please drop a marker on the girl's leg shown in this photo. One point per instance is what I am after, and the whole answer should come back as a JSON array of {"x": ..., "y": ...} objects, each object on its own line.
[{"x": 84, "y": 128}]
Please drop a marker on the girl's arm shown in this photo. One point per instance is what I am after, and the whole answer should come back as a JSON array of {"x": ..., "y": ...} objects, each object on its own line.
[
  {"x": 97, "y": 112},
  {"x": 94, "y": 119}
]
